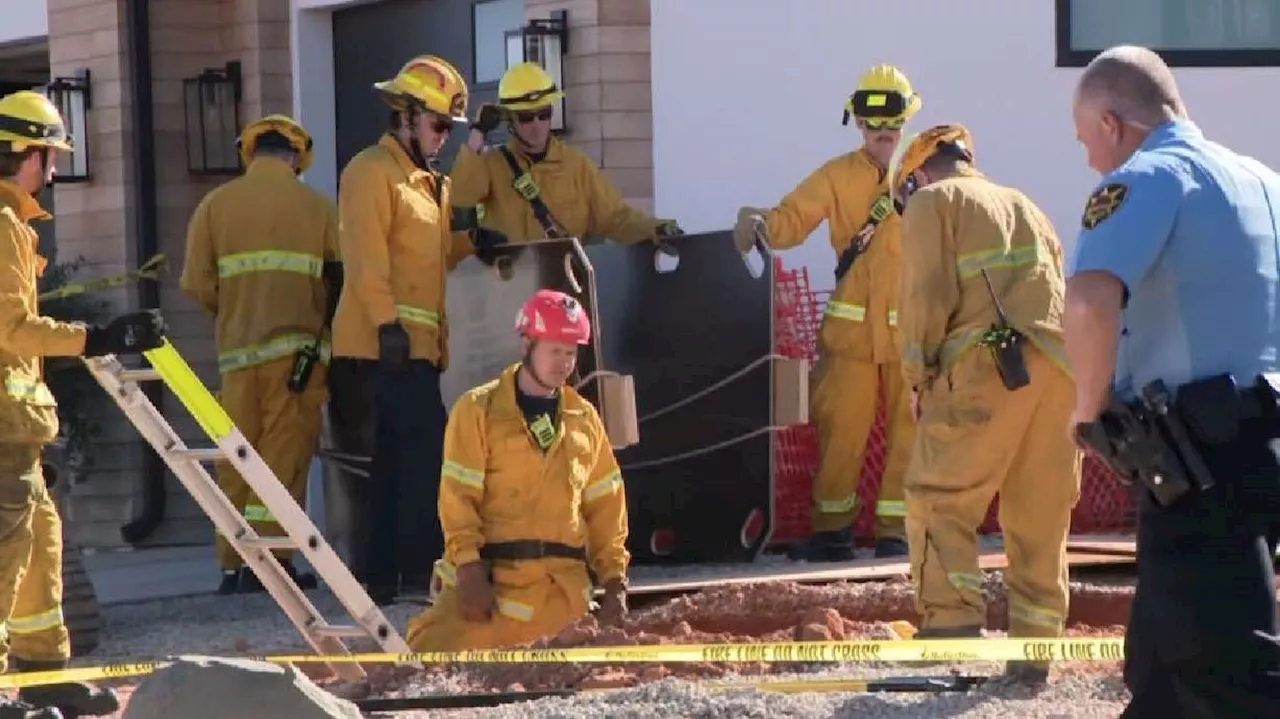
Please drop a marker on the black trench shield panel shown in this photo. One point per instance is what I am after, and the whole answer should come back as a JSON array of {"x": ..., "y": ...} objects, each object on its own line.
[
  {"x": 678, "y": 333},
  {"x": 481, "y": 306}
]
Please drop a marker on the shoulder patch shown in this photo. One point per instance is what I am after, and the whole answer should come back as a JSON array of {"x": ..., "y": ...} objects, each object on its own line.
[{"x": 1103, "y": 203}]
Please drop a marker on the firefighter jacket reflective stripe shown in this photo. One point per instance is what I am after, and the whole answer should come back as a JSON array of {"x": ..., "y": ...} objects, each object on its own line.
[
  {"x": 496, "y": 484},
  {"x": 255, "y": 248},
  {"x": 397, "y": 248},
  {"x": 28, "y": 413},
  {"x": 952, "y": 231},
  {"x": 860, "y": 317},
  {"x": 580, "y": 198}
]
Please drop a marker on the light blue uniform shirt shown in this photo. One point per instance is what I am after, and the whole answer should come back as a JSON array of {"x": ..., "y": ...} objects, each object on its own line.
[{"x": 1190, "y": 228}]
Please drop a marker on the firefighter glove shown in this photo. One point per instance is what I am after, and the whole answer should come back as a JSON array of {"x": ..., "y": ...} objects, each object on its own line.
[
  {"x": 393, "y": 347},
  {"x": 487, "y": 119},
  {"x": 613, "y": 606},
  {"x": 487, "y": 242},
  {"x": 476, "y": 599},
  {"x": 128, "y": 334},
  {"x": 668, "y": 228},
  {"x": 750, "y": 225}
]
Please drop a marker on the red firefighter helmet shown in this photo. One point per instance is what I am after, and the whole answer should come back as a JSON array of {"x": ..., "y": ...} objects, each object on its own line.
[{"x": 555, "y": 316}]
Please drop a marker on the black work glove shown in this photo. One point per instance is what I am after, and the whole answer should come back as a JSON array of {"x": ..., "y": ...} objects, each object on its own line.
[
  {"x": 393, "y": 347},
  {"x": 128, "y": 334},
  {"x": 487, "y": 119},
  {"x": 487, "y": 242}
]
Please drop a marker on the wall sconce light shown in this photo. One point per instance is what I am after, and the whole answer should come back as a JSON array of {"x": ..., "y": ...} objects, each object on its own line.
[
  {"x": 211, "y": 105},
  {"x": 545, "y": 42},
  {"x": 72, "y": 98}
]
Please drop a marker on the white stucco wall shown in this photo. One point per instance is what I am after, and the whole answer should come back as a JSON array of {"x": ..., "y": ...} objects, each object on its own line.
[
  {"x": 748, "y": 97},
  {"x": 311, "y": 48},
  {"x": 24, "y": 20}
]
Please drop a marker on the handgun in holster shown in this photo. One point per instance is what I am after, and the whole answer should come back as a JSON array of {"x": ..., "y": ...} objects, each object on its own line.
[
  {"x": 1006, "y": 345},
  {"x": 1125, "y": 438}
]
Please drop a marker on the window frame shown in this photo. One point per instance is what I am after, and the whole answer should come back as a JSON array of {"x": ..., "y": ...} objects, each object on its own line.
[
  {"x": 475, "y": 57},
  {"x": 1067, "y": 56}
]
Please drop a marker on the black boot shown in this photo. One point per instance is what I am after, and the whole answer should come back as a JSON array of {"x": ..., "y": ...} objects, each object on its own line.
[
  {"x": 832, "y": 546},
  {"x": 11, "y": 709},
  {"x": 72, "y": 699},
  {"x": 249, "y": 583},
  {"x": 304, "y": 581},
  {"x": 888, "y": 547},
  {"x": 230, "y": 581}
]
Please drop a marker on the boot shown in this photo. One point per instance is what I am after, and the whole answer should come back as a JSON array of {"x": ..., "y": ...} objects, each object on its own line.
[
  {"x": 72, "y": 699},
  {"x": 1031, "y": 674},
  {"x": 304, "y": 581},
  {"x": 230, "y": 582},
  {"x": 10, "y": 709},
  {"x": 832, "y": 546},
  {"x": 965, "y": 632},
  {"x": 249, "y": 583},
  {"x": 888, "y": 547}
]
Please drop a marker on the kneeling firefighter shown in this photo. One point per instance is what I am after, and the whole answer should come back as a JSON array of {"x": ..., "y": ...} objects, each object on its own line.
[
  {"x": 531, "y": 499},
  {"x": 262, "y": 259},
  {"x": 536, "y": 186},
  {"x": 857, "y": 343},
  {"x": 981, "y": 321},
  {"x": 32, "y": 628}
]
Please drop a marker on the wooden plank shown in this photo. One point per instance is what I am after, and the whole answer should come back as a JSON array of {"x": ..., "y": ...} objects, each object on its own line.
[
  {"x": 858, "y": 570},
  {"x": 1103, "y": 544}
]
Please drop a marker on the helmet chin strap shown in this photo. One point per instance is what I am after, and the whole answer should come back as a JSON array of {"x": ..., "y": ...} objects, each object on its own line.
[
  {"x": 415, "y": 148},
  {"x": 45, "y": 180},
  {"x": 527, "y": 363}
]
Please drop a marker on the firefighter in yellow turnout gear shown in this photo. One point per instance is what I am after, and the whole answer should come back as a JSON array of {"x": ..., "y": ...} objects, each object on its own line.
[
  {"x": 390, "y": 333},
  {"x": 531, "y": 497},
  {"x": 259, "y": 250},
  {"x": 994, "y": 398},
  {"x": 536, "y": 186},
  {"x": 858, "y": 343},
  {"x": 31, "y": 621}
]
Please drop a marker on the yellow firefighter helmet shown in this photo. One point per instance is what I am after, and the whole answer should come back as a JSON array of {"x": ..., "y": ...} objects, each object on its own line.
[
  {"x": 924, "y": 145},
  {"x": 428, "y": 83},
  {"x": 297, "y": 136},
  {"x": 527, "y": 87},
  {"x": 883, "y": 97},
  {"x": 28, "y": 119}
]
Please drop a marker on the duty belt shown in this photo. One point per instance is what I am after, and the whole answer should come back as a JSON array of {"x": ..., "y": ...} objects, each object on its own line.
[{"x": 526, "y": 549}]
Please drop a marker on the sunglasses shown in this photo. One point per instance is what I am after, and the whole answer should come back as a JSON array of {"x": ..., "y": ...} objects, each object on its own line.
[
  {"x": 524, "y": 118},
  {"x": 880, "y": 123},
  {"x": 441, "y": 124}
]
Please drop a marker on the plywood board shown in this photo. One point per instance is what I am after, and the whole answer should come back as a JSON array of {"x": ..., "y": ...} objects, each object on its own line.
[
  {"x": 699, "y": 488},
  {"x": 856, "y": 570},
  {"x": 1103, "y": 544}
]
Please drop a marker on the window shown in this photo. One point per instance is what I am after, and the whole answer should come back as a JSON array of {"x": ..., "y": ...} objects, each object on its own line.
[
  {"x": 1186, "y": 33},
  {"x": 490, "y": 20}
]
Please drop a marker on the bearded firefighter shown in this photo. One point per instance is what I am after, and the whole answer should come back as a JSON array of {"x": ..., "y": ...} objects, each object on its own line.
[
  {"x": 531, "y": 499},
  {"x": 858, "y": 340}
]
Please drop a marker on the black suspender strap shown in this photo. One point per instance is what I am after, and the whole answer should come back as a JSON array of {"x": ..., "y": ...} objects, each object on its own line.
[
  {"x": 528, "y": 189},
  {"x": 880, "y": 209}
]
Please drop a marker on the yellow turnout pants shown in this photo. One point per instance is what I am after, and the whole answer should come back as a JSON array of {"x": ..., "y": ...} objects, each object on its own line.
[{"x": 977, "y": 439}]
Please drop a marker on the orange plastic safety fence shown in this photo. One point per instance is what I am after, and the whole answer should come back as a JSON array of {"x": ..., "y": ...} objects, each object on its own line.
[{"x": 1104, "y": 506}]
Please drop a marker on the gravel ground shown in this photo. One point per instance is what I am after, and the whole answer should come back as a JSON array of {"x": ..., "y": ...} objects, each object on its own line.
[{"x": 781, "y": 611}]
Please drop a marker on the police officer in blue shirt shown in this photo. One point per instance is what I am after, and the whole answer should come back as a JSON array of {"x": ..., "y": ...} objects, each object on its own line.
[{"x": 1174, "y": 277}]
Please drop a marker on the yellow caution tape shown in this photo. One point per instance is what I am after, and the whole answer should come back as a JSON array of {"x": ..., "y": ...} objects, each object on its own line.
[
  {"x": 150, "y": 270},
  {"x": 1075, "y": 649}
]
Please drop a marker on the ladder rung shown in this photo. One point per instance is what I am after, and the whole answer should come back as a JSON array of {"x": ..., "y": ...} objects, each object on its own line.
[
  {"x": 211, "y": 454},
  {"x": 138, "y": 375},
  {"x": 339, "y": 631},
  {"x": 270, "y": 543}
]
